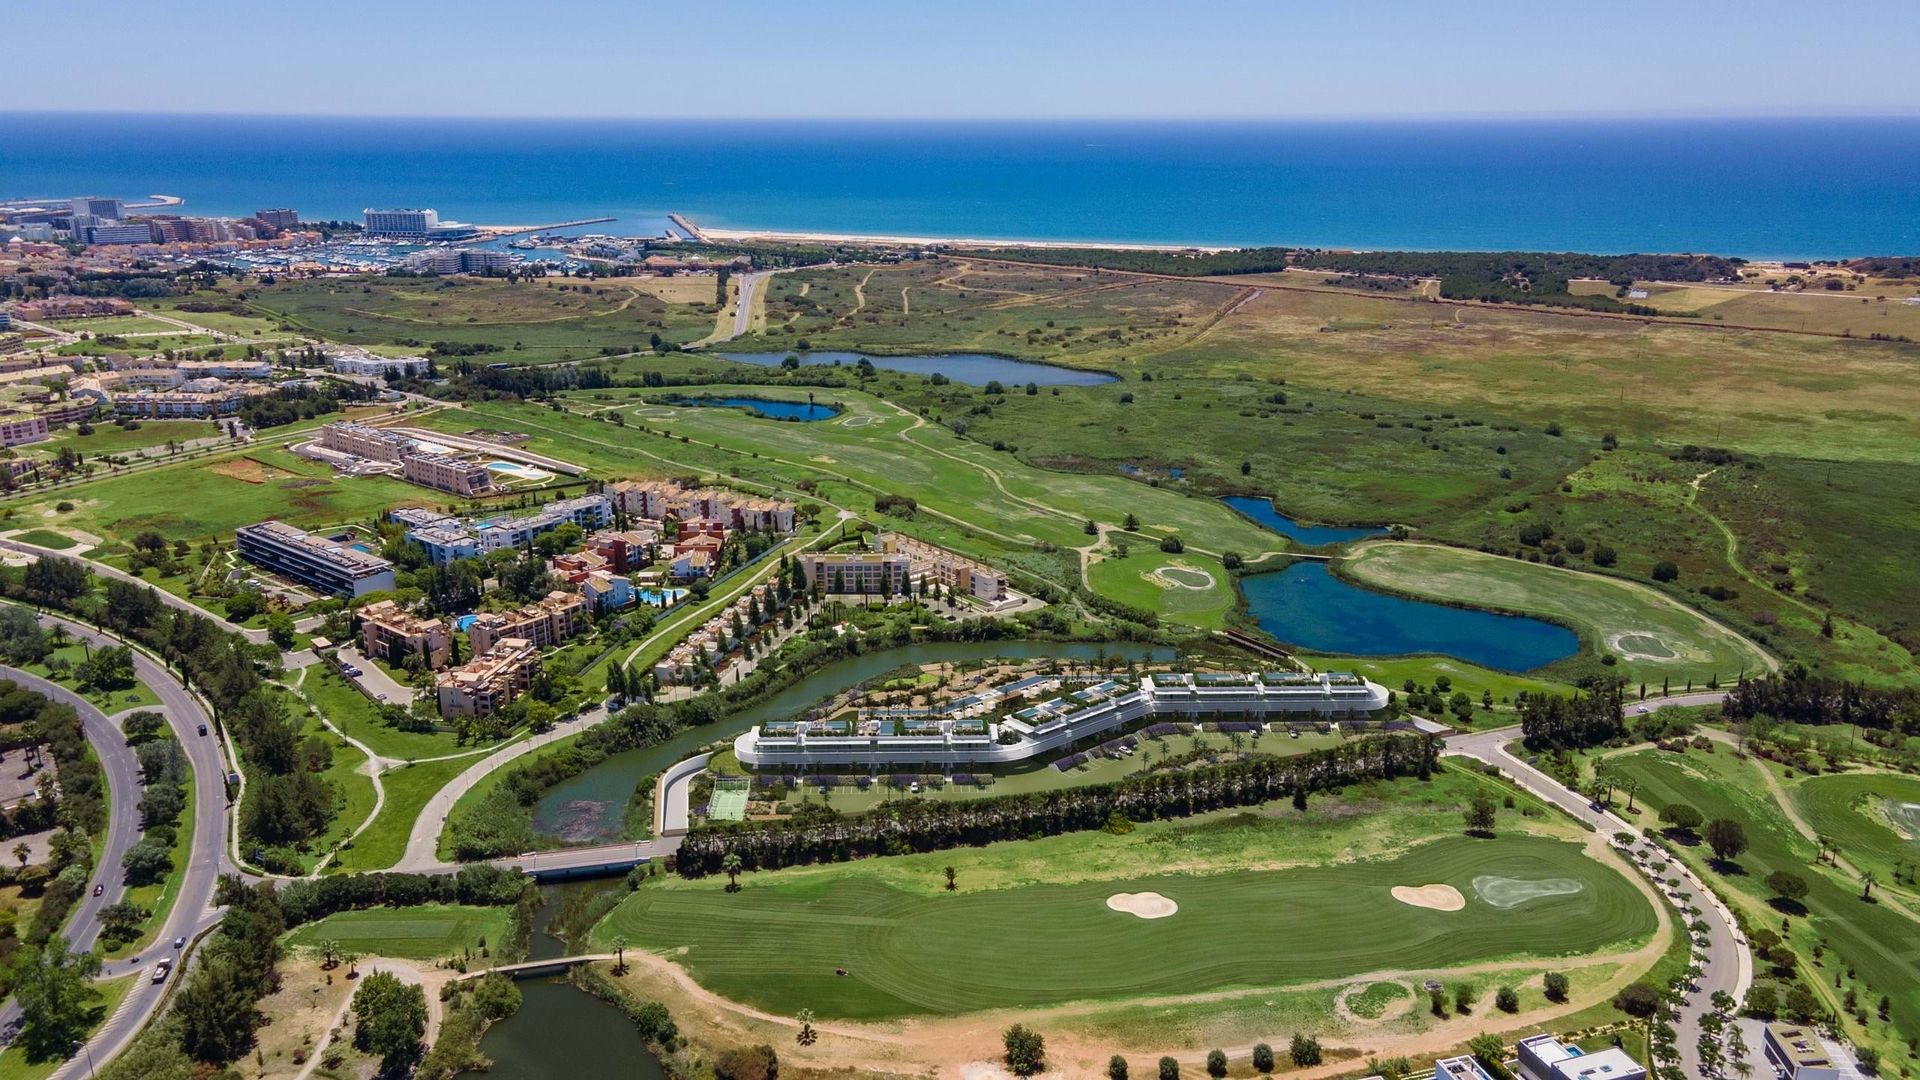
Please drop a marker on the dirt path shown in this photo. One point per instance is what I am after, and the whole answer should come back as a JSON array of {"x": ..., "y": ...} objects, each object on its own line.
[
  {"x": 860, "y": 295},
  {"x": 429, "y": 982}
]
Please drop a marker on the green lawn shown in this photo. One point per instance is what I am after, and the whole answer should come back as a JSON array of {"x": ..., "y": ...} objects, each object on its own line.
[
  {"x": 427, "y": 932},
  {"x": 353, "y": 713},
  {"x": 1872, "y": 939},
  {"x": 113, "y": 439},
  {"x": 1655, "y": 636},
  {"x": 1393, "y": 672},
  {"x": 46, "y": 538},
  {"x": 158, "y": 898},
  {"x": 408, "y": 788},
  {"x": 1860, "y": 812},
  {"x": 1187, "y": 588},
  {"x": 777, "y": 943}
]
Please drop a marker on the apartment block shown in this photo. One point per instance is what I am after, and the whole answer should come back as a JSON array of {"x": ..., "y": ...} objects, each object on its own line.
[
  {"x": 486, "y": 684},
  {"x": 951, "y": 569},
  {"x": 17, "y": 428},
  {"x": 364, "y": 441},
  {"x": 392, "y": 633},
  {"x": 445, "y": 472},
  {"x": 868, "y": 573},
  {"x": 546, "y": 622},
  {"x": 316, "y": 561}
]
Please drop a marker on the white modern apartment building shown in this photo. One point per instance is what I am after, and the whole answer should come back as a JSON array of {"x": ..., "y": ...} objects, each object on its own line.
[
  {"x": 967, "y": 732},
  {"x": 359, "y": 363},
  {"x": 323, "y": 563}
]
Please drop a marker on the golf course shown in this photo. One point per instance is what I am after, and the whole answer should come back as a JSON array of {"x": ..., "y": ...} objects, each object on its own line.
[
  {"x": 1872, "y": 818},
  {"x": 1654, "y": 637},
  {"x": 778, "y": 943}
]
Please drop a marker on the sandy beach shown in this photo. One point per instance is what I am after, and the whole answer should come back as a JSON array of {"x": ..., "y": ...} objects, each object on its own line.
[{"x": 933, "y": 241}]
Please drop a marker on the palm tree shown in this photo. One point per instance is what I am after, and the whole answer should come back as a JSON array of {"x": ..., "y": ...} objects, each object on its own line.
[
  {"x": 329, "y": 953},
  {"x": 619, "y": 954},
  {"x": 950, "y": 882},
  {"x": 1867, "y": 881},
  {"x": 21, "y": 851},
  {"x": 806, "y": 1036},
  {"x": 730, "y": 865}
]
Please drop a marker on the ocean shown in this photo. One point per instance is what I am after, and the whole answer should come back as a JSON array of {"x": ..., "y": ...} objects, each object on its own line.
[{"x": 1777, "y": 188}]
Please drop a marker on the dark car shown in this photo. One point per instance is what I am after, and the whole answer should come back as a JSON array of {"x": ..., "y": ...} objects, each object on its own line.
[
  {"x": 203, "y": 729},
  {"x": 99, "y": 890}
]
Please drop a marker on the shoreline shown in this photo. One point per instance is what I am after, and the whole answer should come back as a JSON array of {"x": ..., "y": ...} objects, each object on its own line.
[{"x": 887, "y": 239}]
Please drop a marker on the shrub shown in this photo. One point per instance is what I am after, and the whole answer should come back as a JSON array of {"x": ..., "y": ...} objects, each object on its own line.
[
  {"x": 1305, "y": 1050},
  {"x": 1555, "y": 984},
  {"x": 1116, "y": 1068},
  {"x": 1262, "y": 1058},
  {"x": 1217, "y": 1063},
  {"x": 1506, "y": 1000},
  {"x": 748, "y": 1063},
  {"x": 1026, "y": 1050},
  {"x": 1169, "y": 1069},
  {"x": 1664, "y": 570}
]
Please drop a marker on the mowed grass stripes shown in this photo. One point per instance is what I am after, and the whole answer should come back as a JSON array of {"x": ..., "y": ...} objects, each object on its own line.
[{"x": 777, "y": 943}]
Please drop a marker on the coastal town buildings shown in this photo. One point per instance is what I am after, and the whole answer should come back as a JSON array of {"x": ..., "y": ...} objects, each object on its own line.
[{"x": 324, "y": 563}]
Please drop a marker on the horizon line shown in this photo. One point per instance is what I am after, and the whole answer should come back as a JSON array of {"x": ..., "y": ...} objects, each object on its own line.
[{"x": 1862, "y": 112}]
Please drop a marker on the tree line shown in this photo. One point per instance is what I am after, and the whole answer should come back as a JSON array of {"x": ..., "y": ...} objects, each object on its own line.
[
  {"x": 1802, "y": 698},
  {"x": 1552, "y": 722},
  {"x": 822, "y": 835}
]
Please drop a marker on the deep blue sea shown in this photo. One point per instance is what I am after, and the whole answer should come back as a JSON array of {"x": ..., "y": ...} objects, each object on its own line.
[{"x": 1787, "y": 188}]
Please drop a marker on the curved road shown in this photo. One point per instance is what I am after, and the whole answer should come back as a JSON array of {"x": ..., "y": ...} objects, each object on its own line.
[
  {"x": 192, "y": 910},
  {"x": 103, "y": 570},
  {"x": 1725, "y": 961}
]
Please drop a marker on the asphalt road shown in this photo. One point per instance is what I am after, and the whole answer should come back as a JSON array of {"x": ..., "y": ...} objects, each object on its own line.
[
  {"x": 1726, "y": 963},
  {"x": 192, "y": 911},
  {"x": 103, "y": 570}
]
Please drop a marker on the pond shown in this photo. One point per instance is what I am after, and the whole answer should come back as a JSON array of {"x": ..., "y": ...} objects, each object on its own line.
[
  {"x": 769, "y": 408},
  {"x": 974, "y": 369},
  {"x": 1263, "y": 512},
  {"x": 1305, "y": 605},
  {"x": 591, "y": 807},
  {"x": 560, "y": 1029}
]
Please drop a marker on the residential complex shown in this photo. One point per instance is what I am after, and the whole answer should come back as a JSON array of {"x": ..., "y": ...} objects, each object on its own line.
[
  {"x": 897, "y": 561},
  {"x": 587, "y": 511},
  {"x": 711, "y": 648},
  {"x": 392, "y": 633},
  {"x": 933, "y": 564},
  {"x": 328, "y": 564},
  {"x": 659, "y": 500},
  {"x": 447, "y": 472},
  {"x": 545, "y": 622},
  {"x": 866, "y": 573},
  {"x": 997, "y": 726},
  {"x": 1545, "y": 1057},
  {"x": 17, "y": 428},
  {"x": 350, "y": 446},
  {"x": 361, "y": 363},
  {"x": 484, "y": 685}
]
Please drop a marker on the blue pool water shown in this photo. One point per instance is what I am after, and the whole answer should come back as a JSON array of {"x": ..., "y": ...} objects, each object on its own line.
[
  {"x": 361, "y": 547},
  {"x": 1262, "y": 511},
  {"x": 973, "y": 369},
  {"x": 772, "y": 410},
  {"x": 463, "y": 622},
  {"x": 660, "y": 597},
  {"x": 1305, "y": 605}
]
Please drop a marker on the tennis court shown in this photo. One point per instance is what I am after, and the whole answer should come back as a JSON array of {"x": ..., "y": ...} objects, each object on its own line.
[{"x": 729, "y": 800}]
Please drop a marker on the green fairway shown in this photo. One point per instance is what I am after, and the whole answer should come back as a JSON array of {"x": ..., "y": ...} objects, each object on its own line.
[
  {"x": 408, "y": 788},
  {"x": 1873, "y": 818},
  {"x": 1872, "y": 939},
  {"x": 1655, "y": 636},
  {"x": 1187, "y": 588},
  {"x": 427, "y": 932},
  {"x": 45, "y": 538},
  {"x": 777, "y": 943}
]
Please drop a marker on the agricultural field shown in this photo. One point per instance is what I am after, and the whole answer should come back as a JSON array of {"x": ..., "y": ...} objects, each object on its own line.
[
  {"x": 532, "y": 321},
  {"x": 425, "y": 932},
  {"x": 778, "y": 942},
  {"x": 1655, "y": 637},
  {"x": 1875, "y": 942}
]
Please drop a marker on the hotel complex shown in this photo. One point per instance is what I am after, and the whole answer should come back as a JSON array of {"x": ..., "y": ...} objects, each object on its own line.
[
  {"x": 896, "y": 561},
  {"x": 997, "y": 727},
  {"x": 327, "y": 564},
  {"x": 486, "y": 684}
]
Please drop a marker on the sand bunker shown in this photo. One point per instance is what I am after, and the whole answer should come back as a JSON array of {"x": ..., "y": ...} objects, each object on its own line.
[
  {"x": 1146, "y": 905},
  {"x": 1506, "y": 892},
  {"x": 1432, "y": 897},
  {"x": 1905, "y": 819}
]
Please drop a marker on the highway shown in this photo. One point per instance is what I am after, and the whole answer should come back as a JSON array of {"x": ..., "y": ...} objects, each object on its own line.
[
  {"x": 192, "y": 911},
  {"x": 1726, "y": 964}
]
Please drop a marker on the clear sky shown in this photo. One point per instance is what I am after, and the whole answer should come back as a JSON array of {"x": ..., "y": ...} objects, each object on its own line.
[{"x": 967, "y": 58}]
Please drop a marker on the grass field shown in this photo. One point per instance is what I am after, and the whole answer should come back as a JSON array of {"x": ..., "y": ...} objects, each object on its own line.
[
  {"x": 1873, "y": 940},
  {"x": 776, "y": 943},
  {"x": 113, "y": 324},
  {"x": 426, "y": 932},
  {"x": 1186, "y": 588},
  {"x": 1861, "y": 813},
  {"x": 530, "y": 321},
  {"x": 46, "y": 538},
  {"x": 113, "y": 439},
  {"x": 1654, "y": 636},
  {"x": 408, "y": 788},
  {"x": 198, "y": 499}
]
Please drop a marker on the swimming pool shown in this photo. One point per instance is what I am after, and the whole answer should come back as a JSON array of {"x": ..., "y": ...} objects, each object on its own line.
[
  {"x": 515, "y": 469},
  {"x": 463, "y": 622},
  {"x": 660, "y": 597}
]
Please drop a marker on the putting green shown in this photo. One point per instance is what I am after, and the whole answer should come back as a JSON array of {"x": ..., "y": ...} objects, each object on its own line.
[
  {"x": 1655, "y": 636},
  {"x": 778, "y": 942}
]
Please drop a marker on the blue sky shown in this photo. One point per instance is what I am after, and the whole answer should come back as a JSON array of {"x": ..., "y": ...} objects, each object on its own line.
[{"x": 906, "y": 59}]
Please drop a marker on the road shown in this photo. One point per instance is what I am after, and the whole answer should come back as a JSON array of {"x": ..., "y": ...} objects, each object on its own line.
[
  {"x": 1725, "y": 961},
  {"x": 103, "y": 570},
  {"x": 192, "y": 911}
]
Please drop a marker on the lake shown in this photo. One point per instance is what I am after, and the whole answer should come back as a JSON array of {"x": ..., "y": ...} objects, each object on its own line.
[
  {"x": 767, "y": 407},
  {"x": 591, "y": 807},
  {"x": 973, "y": 369},
  {"x": 1263, "y": 511},
  {"x": 1305, "y": 605}
]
